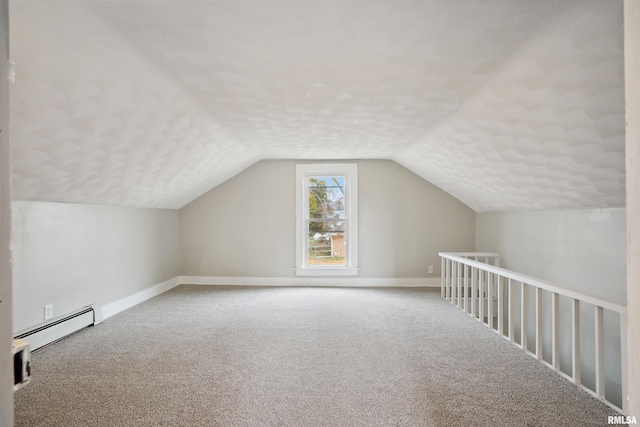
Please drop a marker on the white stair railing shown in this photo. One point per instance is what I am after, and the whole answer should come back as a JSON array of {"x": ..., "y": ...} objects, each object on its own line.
[{"x": 476, "y": 284}]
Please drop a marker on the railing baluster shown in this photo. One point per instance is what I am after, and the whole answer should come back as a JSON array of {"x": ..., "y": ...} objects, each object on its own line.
[
  {"x": 459, "y": 275},
  {"x": 490, "y": 300},
  {"x": 555, "y": 331},
  {"x": 539, "y": 323},
  {"x": 442, "y": 279},
  {"x": 448, "y": 279},
  {"x": 575, "y": 338},
  {"x": 474, "y": 290},
  {"x": 500, "y": 306},
  {"x": 481, "y": 294},
  {"x": 523, "y": 316},
  {"x": 599, "y": 341},
  {"x": 512, "y": 304},
  {"x": 466, "y": 288},
  {"x": 453, "y": 282},
  {"x": 451, "y": 273}
]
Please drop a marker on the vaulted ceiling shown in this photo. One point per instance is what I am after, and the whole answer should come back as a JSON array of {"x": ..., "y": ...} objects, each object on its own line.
[{"x": 504, "y": 104}]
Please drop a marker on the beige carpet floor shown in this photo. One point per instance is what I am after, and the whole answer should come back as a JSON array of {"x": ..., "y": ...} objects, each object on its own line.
[{"x": 247, "y": 356}]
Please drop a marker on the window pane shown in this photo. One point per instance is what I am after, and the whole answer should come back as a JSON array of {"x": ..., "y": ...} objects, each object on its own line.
[
  {"x": 326, "y": 244},
  {"x": 326, "y": 197}
]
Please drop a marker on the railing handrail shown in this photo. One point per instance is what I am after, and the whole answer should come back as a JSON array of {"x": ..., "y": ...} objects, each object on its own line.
[
  {"x": 543, "y": 284},
  {"x": 474, "y": 254}
]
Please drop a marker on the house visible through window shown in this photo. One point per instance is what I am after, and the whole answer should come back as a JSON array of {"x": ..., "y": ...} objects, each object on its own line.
[{"x": 327, "y": 219}]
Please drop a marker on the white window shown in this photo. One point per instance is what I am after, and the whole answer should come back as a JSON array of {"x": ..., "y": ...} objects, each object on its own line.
[{"x": 327, "y": 219}]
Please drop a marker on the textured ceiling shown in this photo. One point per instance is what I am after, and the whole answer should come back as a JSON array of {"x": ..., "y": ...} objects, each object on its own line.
[{"x": 505, "y": 105}]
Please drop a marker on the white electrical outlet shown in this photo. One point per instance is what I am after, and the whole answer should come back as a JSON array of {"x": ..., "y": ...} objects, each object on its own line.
[
  {"x": 430, "y": 269},
  {"x": 48, "y": 312}
]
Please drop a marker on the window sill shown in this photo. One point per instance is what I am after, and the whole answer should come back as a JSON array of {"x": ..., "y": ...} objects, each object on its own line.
[{"x": 327, "y": 272}]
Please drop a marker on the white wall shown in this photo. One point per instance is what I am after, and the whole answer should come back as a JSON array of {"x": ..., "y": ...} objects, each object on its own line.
[
  {"x": 73, "y": 255},
  {"x": 582, "y": 250},
  {"x": 632, "y": 90},
  {"x": 246, "y": 226},
  {"x": 6, "y": 336}
]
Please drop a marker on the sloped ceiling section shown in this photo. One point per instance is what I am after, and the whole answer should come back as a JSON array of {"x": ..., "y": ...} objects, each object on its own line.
[{"x": 506, "y": 105}]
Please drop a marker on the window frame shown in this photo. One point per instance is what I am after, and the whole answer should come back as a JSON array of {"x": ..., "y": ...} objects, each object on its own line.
[{"x": 350, "y": 172}]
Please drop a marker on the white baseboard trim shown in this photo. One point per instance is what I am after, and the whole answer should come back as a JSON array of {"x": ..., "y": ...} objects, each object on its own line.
[
  {"x": 312, "y": 281},
  {"x": 116, "y": 307}
]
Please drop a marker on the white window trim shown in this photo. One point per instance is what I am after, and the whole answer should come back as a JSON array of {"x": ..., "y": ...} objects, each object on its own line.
[{"x": 303, "y": 172}]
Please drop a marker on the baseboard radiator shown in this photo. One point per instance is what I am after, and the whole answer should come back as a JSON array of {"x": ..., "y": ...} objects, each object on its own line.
[{"x": 62, "y": 327}]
